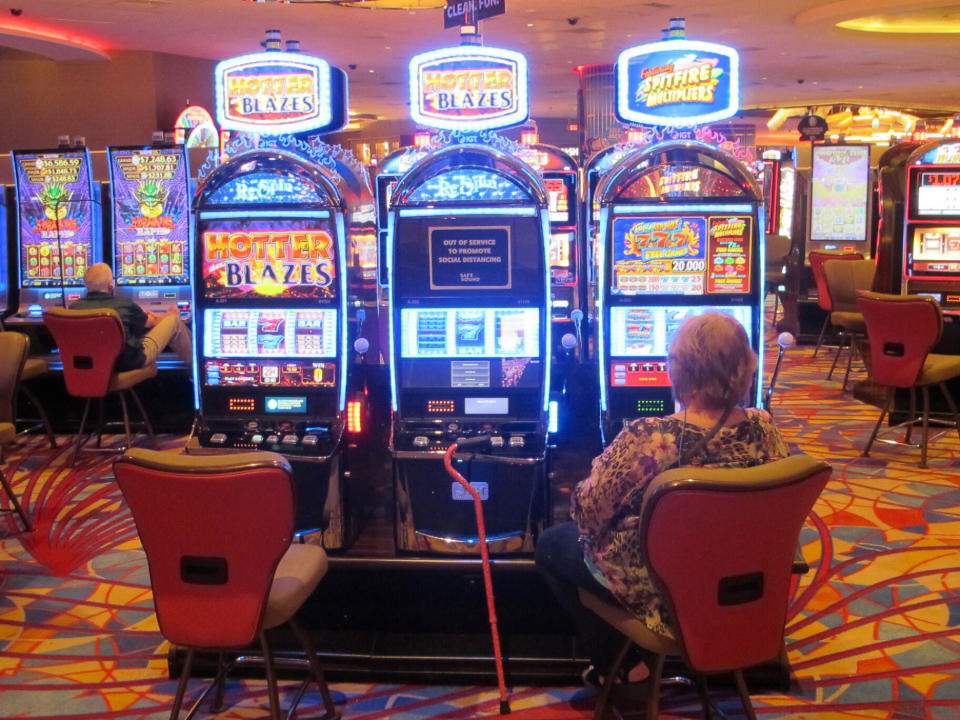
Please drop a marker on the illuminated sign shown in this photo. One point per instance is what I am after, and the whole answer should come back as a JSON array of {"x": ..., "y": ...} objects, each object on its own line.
[
  {"x": 467, "y": 185},
  {"x": 677, "y": 82},
  {"x": 840, "y": 193},
  {"x": 280, "y": 259},
  {"x": 274, "y": 93},
  {"x": 469, "y": 258},
  {"x": 468, "y": 87}
]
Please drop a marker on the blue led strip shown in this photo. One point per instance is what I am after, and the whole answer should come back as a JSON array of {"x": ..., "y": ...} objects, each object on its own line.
[
  {"x": 230, "y": 214},
  {"x": 391, "y": 222},
  {"x": 198, "y": 263},
  {"x": 463, "y": 53},
  {"x": 441, "y": 211},
  {"x": 671, "y": 209},
  {"x": 601, "y": 250},
  {"x": 342, "y": 262},
  {"x": 760, "y": 274},
  {"x": 548, "y": 315}
]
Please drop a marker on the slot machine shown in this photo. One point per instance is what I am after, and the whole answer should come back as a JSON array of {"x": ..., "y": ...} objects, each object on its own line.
[
  {"x": 391, "y": 170},
  {"x": 890, "y": 212},
  {"x": 679, "y": 235},
  {"x": 58, "y": 228},
  {"x": 840, "y": 198},
  {"x": 151, "y": 246},
  {"x": 771, "y": 190},
  {"x": 4, "y": 256},
  {"x": 470, "y": 338},
  {"x": 931, "y": 234},
  {"x": 270, "y": 333}
]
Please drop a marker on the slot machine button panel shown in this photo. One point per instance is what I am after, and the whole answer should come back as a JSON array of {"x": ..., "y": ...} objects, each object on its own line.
[
  {"x": 256, "y": 438},
  {"x": 310, "y": 440},
  {"x": 496, "y": 441},
  {"x": 421, "y": 441},
  {"x": 290, "y": 439},
  {"x": 517, "y": 441},
  {"x": 218, "y": 438},
  {"x": 273, "y": 439}
]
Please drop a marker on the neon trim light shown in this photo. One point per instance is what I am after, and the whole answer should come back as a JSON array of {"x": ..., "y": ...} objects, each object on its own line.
[
  {"x": 342, "y": 262},
  {"x": 470, "y": 88},
  {"x": 678, "y": 83},
  {"x": 231, "y": 214},
  {"x": 391, "y": 222},
  {"x": 548, "y": 294},
  {"x": 439, "y": 212},
  {"x": 56, "y": 35},
  {"x": 601, "y": 310},
  {"x": 273, "y": 93},
  {"x": 673, "y": 209}
]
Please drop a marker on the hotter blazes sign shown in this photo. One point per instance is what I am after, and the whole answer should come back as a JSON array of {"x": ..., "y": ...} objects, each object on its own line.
[
  {"x": 465, "y": 12},
  {"x": 468, "y": 88},
  {"x": 677, "y": 82},
  {"x": 273, "y": 93}
]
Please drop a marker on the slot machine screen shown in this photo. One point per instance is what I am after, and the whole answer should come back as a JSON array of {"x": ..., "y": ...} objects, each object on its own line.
[
  {"x": 269, "y": 347},
  {"x": 839, "y": 193},
  {"x": 640, "y": 338},
  {"x": 559, "y": 194},
  {"x": 57, "y": 217},
  {"x": 275, "y": 258},
  {"x": 681, "y": 254},
  {"x": 935, "y": 250},
  {"x": 937, "y": 194},
  {"x": 151, "y": 216},
  {"x": 563, "y": 257}
]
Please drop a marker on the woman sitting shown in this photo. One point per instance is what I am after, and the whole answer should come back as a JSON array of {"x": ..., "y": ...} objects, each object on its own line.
[{"x": 711, "y": 367}]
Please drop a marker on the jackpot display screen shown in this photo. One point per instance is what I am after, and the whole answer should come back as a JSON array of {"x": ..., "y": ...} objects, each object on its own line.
[
  {"x": 563, "y": 258},
  {"x": 269, "y": 373},
  {"x": 57, "y": 217},
  {"x": 280, "y": 333},
  {"x": 936, "y": 193},
  {"x": 682, "y": 254},
  {"x": 640, "y": 338},
  {"x": 267, "y": 258},
  {"x": 839, "y": 192},
  {"x": 151, "y": 216}
]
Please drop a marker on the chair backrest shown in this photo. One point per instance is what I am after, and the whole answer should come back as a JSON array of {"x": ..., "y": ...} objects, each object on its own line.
[
  {"x": 720, "y": 542},
  {"x": 846, "y": 279},
  {"x": 90, "y": 341},
  {"x": 776, "y": 249},
  {"x": 14, "y": 348},
  {"x": 901, "y": 331},
  {"x": 817, "y": 259},
  {"x": 213, "y": 528}
]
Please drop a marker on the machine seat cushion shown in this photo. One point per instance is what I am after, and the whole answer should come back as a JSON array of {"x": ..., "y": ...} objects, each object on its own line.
[
  {"x": 939, "y": 368},
  {"x": 299, "y": 571},
  {"x": 34, "y": 367},
  {"x": 849, "y": 321},
  {"x": 128, "y": 378},
  {"x": 8, "y": 431}
]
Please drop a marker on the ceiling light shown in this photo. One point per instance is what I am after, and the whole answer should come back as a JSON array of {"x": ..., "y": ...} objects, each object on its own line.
[{"x": 935, "y": 20}]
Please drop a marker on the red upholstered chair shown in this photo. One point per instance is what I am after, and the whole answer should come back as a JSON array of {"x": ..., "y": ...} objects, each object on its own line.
[
  {"x": 901, "y": 331},
  {"x": 817, "y": 259},
  {"x": 13, "y": 356},
  {"x": 719, "y": 544},
  {"x": 90, "y": 341},
  {"x": 217, "y": 533}
]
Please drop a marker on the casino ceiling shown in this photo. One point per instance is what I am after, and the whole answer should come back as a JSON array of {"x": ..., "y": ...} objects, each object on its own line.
[{"x": 793, "y": 52}]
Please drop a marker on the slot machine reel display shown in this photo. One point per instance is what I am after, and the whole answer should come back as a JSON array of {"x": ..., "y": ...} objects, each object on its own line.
[
  {"x": 58, "y": 227},
  {"x": 840, "y": 195},
  {"x": 269, "y": 327},
  {"x": 678, "y": 236},
  {"x": 151, "y": 226},
  {"x": 931, "y": 235},
  {"x": 469, "y": 291}
]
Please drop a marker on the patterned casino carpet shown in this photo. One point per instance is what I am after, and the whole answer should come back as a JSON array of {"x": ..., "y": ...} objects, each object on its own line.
[{"x": 872, "y": 630}]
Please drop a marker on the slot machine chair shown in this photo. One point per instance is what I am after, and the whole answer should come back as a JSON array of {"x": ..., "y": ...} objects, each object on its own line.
[
  {"x": 13, "y": 356},
  {"x": 90, "y": 341},
  {"x": 776, "y": 248},
  {"x": 726, "y": 585},
  {"x": 817, "y": 259},
  {"x": 846, "y": 280},
  {"x": 901, "y": 332},
  {"x": 33, "y": 368},
  {"x": 221, "y": 585}
]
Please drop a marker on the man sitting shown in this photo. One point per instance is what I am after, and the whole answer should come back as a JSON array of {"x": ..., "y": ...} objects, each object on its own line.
[{"x": 147, "y": 333}]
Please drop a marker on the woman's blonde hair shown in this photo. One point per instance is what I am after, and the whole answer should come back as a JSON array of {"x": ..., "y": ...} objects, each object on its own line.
[{"x": 711, "y": 359}]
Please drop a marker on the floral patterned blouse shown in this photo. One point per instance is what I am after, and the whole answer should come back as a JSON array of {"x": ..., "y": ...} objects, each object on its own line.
[{"x": 607, "y": 504}]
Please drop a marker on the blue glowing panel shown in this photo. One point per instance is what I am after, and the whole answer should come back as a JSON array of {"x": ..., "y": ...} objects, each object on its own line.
[
  {"x": 468, "y": 185},
  {"x": 273, "y": 93},
  {"x": 469, "y": 88},
  {"x": 469, "y": 332},
  {"x": 677, "y": 82},
  {"x": 269, "y": 188}
]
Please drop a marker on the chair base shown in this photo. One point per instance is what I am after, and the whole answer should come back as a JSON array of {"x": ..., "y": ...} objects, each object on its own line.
[
  {"x": 923, "y": 419},
  {"x": 17, "y": 508},
  {"x": 82, "y": 439}
]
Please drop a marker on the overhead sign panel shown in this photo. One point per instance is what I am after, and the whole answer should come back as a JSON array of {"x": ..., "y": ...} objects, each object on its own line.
[
  {"x": 469, "y": 88},
  {"x": 276, "y": 93},
  {"x": 468, "y": 12},
  {"x": 677, "y": 82}
]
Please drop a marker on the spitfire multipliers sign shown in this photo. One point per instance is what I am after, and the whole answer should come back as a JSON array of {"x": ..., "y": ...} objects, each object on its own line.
[
  {"x": 677, "y": 82},
  {"x": 469, "y": 88},
  {"x": 276, "y": 93}
]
